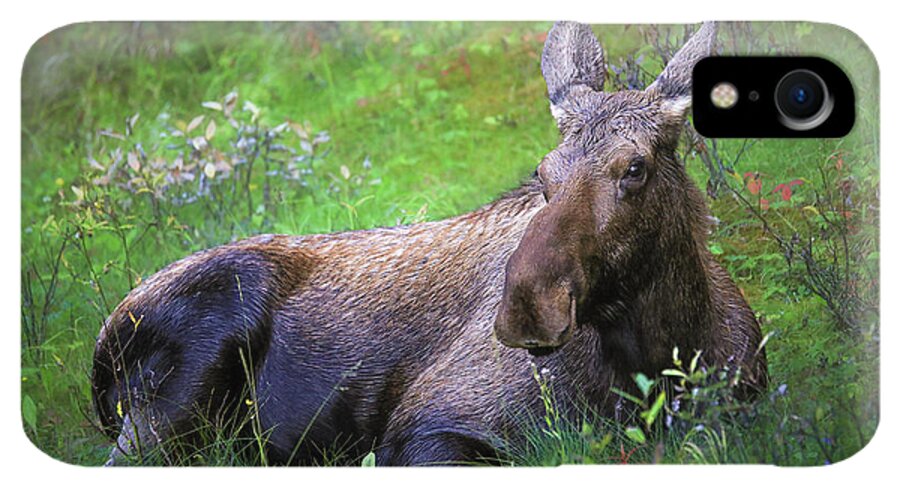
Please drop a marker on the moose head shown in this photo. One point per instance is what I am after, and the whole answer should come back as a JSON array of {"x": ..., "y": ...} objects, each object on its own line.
[{"x": 622, "y": 222}]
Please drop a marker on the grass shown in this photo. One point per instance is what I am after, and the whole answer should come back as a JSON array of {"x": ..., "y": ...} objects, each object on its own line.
[{"x": 434, "y": 120}]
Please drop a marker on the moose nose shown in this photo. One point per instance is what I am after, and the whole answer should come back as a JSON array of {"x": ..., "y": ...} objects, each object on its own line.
[
  {"x": 526, "y": 343},
  {"x": 534, "y": 343},
  {"x": 544, "y": 322}
]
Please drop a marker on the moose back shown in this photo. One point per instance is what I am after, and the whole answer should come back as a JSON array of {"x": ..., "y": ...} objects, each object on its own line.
[{"x": 419, "y": 342}]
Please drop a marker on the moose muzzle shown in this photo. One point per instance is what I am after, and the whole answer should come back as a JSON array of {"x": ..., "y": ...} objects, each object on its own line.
[{"x": 539, "y": 306}]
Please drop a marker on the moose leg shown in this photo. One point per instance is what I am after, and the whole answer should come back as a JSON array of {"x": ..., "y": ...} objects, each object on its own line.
[
  {"x": 437, "y": 447},
  {"x": 137, "y": 438}
]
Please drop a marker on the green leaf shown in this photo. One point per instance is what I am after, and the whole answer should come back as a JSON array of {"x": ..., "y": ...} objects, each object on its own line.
[
  {"x": 369, "y": 460},
  {"x": 626, "y": 395},
  {"x": 29, "y": 411},
  {"x": 586, "y": 429},
  {"x": 599, "y": 446},
  {"x": 671, "y": 372},
  {"x": 820, "y": 414},
  {"x": 643, "y": 383},
  {"x": 460, "y": 113},
  {"x": 635, "y": 434},
  {"x": 420, "y": 50},
  {"x": 694, "y": 360},
  {"x": 427, "y": 84},
  {"x": 715, "y": 249},
  {"x": 651, "y": 414},
  {"x": 482, "y": 48}
]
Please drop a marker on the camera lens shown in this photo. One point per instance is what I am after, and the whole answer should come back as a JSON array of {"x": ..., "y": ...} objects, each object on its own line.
[{"x": 802, "y": 100}]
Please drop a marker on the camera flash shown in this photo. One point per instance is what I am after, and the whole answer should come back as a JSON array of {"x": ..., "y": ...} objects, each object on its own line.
[{"x": 724, "y": 95}]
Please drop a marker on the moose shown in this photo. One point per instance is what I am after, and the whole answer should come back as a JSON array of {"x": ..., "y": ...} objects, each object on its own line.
[{"x": 420, "y": 342}]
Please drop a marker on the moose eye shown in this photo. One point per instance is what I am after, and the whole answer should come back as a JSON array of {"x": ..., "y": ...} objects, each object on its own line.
[
  {"x": 635, "y": 169},
  {"x": 635, "y": 177}
]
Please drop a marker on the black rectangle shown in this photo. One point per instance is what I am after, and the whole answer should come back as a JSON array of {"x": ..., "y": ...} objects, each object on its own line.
[{"x": 758, "y": 115}]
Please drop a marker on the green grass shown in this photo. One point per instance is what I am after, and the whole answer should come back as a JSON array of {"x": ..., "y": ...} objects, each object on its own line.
[{"x": 450, "y": 115}]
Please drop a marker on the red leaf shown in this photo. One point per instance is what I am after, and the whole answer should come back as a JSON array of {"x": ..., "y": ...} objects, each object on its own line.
[
  {"x": 786, "y": 193},
  {"x": 795, "y": 182},
  {"x": 764, "y": 204},
  {"x": 785, "y": 190},
  {"x": 754, "y": 185}
]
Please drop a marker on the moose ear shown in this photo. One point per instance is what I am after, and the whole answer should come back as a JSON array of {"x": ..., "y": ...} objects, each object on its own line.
[
  {"x": 572, "y": 57},
  {"x": 675, "y": 80},
  {"x": 675, "y": 109}
]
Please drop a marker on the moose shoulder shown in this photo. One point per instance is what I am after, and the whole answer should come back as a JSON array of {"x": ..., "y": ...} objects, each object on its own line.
[{"x": 414, "y": 341}]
